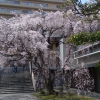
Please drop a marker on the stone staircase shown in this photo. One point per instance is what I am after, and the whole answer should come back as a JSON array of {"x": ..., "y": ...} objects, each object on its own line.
[{"x": 16, "y": 82}]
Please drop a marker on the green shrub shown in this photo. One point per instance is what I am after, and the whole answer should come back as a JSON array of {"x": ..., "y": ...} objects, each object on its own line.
[
  {"x": 42, "y": 92},
  {"x": 83, "y": 38},
  {"x": 61, "y": 89}
]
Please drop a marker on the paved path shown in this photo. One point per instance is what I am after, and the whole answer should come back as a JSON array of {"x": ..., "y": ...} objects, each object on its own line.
[{"x": 18, "y": 96}]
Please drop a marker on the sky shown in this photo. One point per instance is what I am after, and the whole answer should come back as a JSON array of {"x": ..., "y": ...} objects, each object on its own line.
[{"x": 83, "y": 1}]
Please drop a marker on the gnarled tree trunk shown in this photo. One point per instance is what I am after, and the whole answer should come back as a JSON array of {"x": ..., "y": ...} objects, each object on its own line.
[
  {"x": 49, "y": 87},
  {"x": 49, "y": 84}
]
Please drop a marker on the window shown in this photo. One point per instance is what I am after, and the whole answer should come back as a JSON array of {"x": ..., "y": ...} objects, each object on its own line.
[
  {"x": 13, "y": 2},
  {"x": 27, "y": 11},
  {"x": 45, "y": 5},
  {"x": 16, "y": 2},
  {"x": 1, "y": 1},
  {"x": 41, "y": 5},
  {"x": 28, "y": 3},
  {"x": 57, "y": 6},
  {"x": 38, "y": 5},
  {"x": 10, "y": 1},
  {"x": 2, "y": 9},
  {"x": 13, "y": 10}
]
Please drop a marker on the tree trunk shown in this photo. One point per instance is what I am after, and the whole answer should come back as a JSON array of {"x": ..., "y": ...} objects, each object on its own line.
[{"x": 49, "y": 87}]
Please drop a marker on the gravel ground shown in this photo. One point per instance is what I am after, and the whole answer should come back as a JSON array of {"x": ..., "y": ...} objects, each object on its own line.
[{"x": 18, "y": 96}]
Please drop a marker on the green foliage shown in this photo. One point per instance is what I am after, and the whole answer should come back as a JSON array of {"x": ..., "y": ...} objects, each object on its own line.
[
  {"x": 83, "y": 38},
  {"x": 48, "y": 97},
  {"x": 78, "y": 39},
  {"x": 37, "y": 95},
  {"x": 86, "y": 8},
  {"x": 64, "y": 97},
  {"x": 98, "y": 64},
  {"x": 42, "y": 92},
  {"x": 61, "y": 89},
  {"x": 98, "y": 36}
]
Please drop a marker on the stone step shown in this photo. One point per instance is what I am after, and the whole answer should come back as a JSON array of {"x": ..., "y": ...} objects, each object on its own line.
[
  {"x": 12, "y": 92},
  {"x": 25, "y": 73},
  {"x": 7, "y": 70},
  {"x": 17, "y": 89},
  {"x": 16, "y": 83},
  {"x": 17, "y": 80},
  {"x": 16, "y": 86},
  {"x": 14, "y": 77}
]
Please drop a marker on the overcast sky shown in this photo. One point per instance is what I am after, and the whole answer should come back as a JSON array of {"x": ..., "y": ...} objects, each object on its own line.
[{"x": 83, "y": 1}]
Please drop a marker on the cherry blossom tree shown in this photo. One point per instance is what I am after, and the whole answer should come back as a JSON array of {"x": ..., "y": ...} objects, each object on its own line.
[
  {"x": 29, "y": 38},
  {"x": 83, "y": 80}
]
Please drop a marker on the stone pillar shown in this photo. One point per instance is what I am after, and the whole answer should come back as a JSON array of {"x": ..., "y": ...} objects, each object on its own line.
[
  {"x": 30, "y": 66},
  {"x": 62, "y": 51},
  {"x": 33, "y": 81},
  {"x": 54, "y": 59}
]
